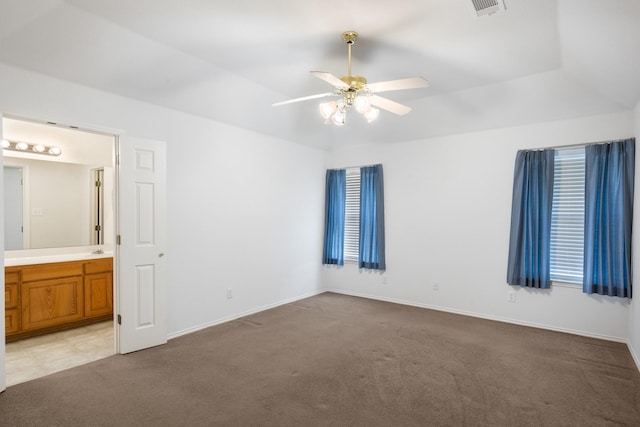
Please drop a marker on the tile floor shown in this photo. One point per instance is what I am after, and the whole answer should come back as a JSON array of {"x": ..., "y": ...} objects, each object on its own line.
[{"x": 39, "y": 356}]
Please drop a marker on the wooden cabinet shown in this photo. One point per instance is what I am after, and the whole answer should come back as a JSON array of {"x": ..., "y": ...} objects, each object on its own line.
[
  {"x": 11, "y": 300},
  {"x": 46, "y": 297},
  {"x": 98, "y": 289}
]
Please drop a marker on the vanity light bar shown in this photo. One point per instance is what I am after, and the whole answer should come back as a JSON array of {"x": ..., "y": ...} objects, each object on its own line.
[{"x": 25, "y": 147}]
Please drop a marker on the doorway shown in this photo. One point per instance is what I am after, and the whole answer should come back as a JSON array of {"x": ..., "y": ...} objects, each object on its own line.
[
  {"x": 62, "y": 209},
  {"x": 138, "y": 197}
]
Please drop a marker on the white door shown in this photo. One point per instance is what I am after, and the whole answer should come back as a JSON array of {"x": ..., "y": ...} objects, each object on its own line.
[
  {"x": 142, "y": 271},
  {"x": 3, "y": 376}
]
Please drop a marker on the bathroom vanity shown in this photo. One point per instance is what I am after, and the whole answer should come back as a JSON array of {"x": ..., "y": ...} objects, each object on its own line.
[{"x": 51, "y": 296}]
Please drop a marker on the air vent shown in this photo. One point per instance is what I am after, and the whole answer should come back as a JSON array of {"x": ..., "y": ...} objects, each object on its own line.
[{"x": 487, "y": 7}]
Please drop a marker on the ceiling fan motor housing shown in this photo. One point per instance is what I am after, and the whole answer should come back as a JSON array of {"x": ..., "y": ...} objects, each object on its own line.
[
  {"x": 356, "y": 84},
  {"x": 350, "y": 36}
]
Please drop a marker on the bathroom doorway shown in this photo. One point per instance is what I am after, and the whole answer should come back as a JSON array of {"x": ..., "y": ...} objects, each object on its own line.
[{"x": 62, "y": 210}]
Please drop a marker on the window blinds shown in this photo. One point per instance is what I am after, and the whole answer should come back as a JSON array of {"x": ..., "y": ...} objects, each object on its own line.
[
  {"x": 352, "y": 216},
  {"x": 567, "y": 218}
]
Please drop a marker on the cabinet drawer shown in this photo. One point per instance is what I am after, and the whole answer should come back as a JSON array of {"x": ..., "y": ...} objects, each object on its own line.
[
  {"x": 11, "y": 321},
  {"x": 101, "y": 265},
  {"x": 11, "y": 276},
  {"x": 51, "y": 271},
  {"x": 11, "y": 295}
]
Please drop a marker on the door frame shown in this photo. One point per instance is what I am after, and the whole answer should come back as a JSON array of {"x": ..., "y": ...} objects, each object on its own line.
[{"x": 115, "y": 134}]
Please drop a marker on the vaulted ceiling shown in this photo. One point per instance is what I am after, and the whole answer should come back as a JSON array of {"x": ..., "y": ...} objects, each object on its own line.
[{"x": 537, "y": 61}]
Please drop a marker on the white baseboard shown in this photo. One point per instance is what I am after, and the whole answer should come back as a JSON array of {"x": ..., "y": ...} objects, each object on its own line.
[
  {"x": 634, "y": 355},
  {"x": 215, "y": 322},
  {"x": 483, "y": 316}
]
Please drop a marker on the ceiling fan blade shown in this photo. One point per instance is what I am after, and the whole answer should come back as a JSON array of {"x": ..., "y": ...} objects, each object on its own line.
[
  {"x": 304, "y": 98},
  {"x": 389, "y": 105},
  {"x": 331, "y": 79},
  {"x": 410, "y": 83}
]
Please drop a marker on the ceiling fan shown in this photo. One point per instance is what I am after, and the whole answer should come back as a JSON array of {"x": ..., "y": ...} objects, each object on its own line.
[{"x": 355, "y": 91}]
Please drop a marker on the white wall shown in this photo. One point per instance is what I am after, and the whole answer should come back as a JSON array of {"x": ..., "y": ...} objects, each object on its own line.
[
  {"x": 244, "y": 210},
  {"x": 634, "y": 315},
  {"x": 447, "y": 208}
]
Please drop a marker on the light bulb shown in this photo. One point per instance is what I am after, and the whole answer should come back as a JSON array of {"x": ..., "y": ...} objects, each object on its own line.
[
  {"x": 371, "y": 114},
  {"x": 327, "y": 109},
  {"x": 22, "y": 146},
  {"x": 362, "y": 103},
  {"x": 55, "y": 151},
  {"x": 338, "y": 118},
  {"x": 39, "y": 148},
  {"x": 6, "y": 143}
]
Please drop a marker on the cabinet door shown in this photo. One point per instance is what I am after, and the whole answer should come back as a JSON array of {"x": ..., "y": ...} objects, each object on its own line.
[
  {"x": 11, "y": 321},
  {"x": 11, "y": 295},
  {"x": 51, "y": 302},
  {"x": 98, "y": 294}
]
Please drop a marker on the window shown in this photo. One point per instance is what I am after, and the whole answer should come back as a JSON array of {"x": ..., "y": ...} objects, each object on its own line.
[
  {"x": 352, "y": 216},
  {"x": 571, "y": 217},
  {"x": 567, "y": 216}
]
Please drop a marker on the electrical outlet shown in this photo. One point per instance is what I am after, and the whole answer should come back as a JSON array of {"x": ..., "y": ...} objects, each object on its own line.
[
  {"x": 511, "y": 296},
  {"x": 229, "y": 293},
  {"x": 436, "y": 286}
]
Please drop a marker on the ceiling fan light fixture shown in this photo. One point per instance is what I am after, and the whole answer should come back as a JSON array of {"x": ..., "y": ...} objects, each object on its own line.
[
  {"x": 327, "y": 109},
  {"x": 371, "y": 114},
  {"x": 338, "y": 117},
  {"x": 362, "y": 103}
]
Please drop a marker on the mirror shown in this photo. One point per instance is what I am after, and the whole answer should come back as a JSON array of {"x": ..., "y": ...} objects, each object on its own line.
[{"x": 57, "y": 201}]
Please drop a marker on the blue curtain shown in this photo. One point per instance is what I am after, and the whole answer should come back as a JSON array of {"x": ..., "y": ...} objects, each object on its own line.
[
  {"x": 530, "y": 238},
  {"x": 371, "y": 253},
  {"x": 335, "y": 195},
  {"x": 609, "y": 172}
]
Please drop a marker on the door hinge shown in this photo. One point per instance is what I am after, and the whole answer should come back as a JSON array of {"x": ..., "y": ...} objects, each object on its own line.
[
  {"x": 118, "y": 239},
  {"x": 119, "y": 320},
  {"x": 98, "y": 183},
  {"x": 98, "y": 228}
]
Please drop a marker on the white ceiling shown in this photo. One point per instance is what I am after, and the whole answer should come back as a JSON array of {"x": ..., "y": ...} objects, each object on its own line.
[{"x": 539, "y": 60}]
